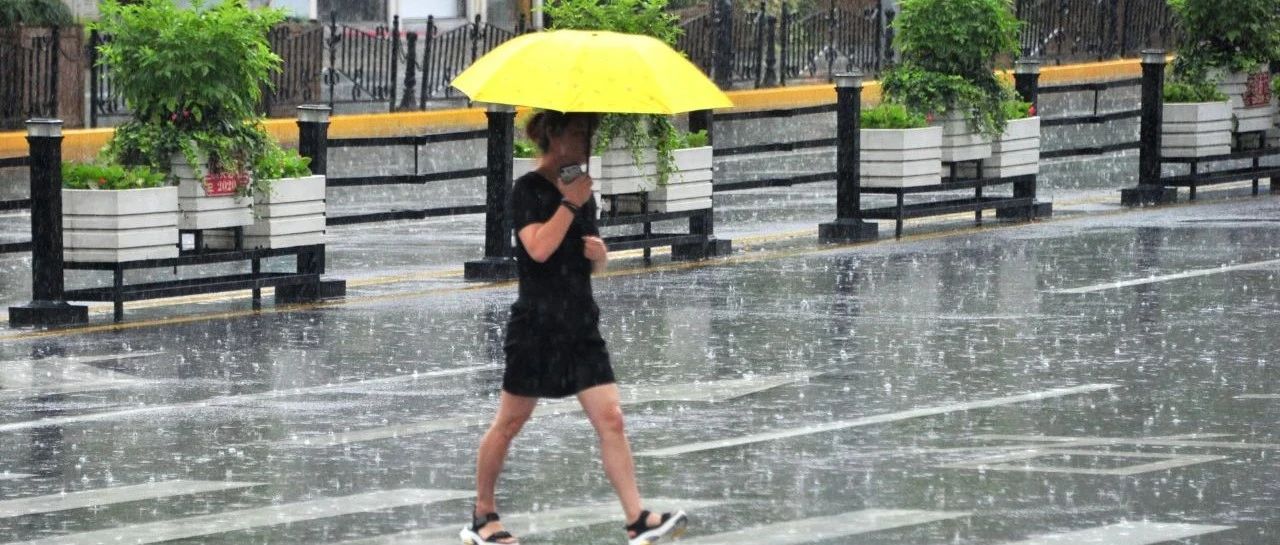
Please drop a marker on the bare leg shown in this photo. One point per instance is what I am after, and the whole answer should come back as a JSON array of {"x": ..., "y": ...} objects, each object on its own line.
[
  {"x": 513, "y": 412},
  {"x": 603, "y": 408}
]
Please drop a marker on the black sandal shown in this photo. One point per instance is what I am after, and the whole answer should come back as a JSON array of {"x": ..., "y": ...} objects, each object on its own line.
[
  {"x": 672, "y": 526},
  {"x": 471, "y": 535}
]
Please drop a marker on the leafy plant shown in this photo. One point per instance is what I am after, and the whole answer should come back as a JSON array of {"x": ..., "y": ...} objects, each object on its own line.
[
  {"x": 1192, "y": 91},
  {"x": 640, "y": 133},
  {"x": 1017, "y": 109},
  {"x": 697, "y": 139},
  {"x": 888, "y": 115},
  {"x": 938, "y": 94},
  {"x": 1236, "y": 36},
  {"x": 199, "y": 66},
  {"x": 524, "y": 149},
  {"x": 277, "y": 163},
  {"x": 948, "y": 50},
  {"x": 109, "y": 177},
  {"x": 647, "y": 17},
  {"x": 34, "y": 13}
]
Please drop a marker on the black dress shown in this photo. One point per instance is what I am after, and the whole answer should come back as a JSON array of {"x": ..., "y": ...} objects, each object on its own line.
[{"x": 553, "y": 346}]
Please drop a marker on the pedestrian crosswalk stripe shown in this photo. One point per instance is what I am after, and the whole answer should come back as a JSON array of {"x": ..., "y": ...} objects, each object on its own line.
[
  {"x": 873, "y": 420},
  {"x": 713, "y": 391},
  {"x": 829, "y": 527},
  {"x": 1126, "y": 533},
  {"x": 537, "y": 522},
  {"x": 107, "y": 496},
  {"x": 231, "y": 521},
  {"x": 231, "y": 400}
]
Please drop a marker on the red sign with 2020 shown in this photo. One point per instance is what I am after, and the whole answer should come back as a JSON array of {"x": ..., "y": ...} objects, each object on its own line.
[
  {"x": 1257, "y": 93},
  {"x": 224, "y": 184}
]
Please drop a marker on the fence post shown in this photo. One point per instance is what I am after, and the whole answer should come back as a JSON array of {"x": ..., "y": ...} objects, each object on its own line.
[
  {"x": 771, "y": 59},
  {"x": 93, "y": 78},
  {"x": 722, "y": 63},
  {"x": 785, "y": 38},
  {"x": 498, "y": 262},
  {"x": 48, "y": 306},
  {"x": 333, "y": 53},
  {"x": 1149, "y": 190},
  {"x": 428, "y": 38},
  {"x": 395, "y": 63},
  {"x": 848, "y": 226},
  {"x": 831, "y": 42},
  {"x": 758, "y": 61},
  {"x": 410, "y": 70}
]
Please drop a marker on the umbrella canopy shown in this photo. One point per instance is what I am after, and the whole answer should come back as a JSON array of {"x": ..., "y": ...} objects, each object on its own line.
[{"x": 590, "y": 71}]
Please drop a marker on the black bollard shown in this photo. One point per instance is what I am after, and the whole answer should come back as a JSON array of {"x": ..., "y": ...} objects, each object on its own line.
[
  {"x": 848, "y": 226},
  {"x": 48, "y": 306},
  {"x": 1026, "y": 81},
  {"x": 313, "y": 136},
  {"x": 313, "y": 143},
  {"x": 1149, "y": 190},
  {"x": 499, "y": 261}
]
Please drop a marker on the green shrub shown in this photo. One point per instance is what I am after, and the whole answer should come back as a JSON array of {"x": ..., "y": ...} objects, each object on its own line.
[
  {"x": 109, "y": 177},
  {"x": 277, "y": 163},
  {"x": 524, "y": 149},
  {"x": 1190, "y": 92},
  {"x": 1234, "y": 35},
  {"x": 43, "y": 13},
  {"x": 696, "y": 139},
  {"x": 948, "y": 51},
  {"x": 888, "y": 115},
  {"x": 1016, "y": 109},
  {"x": 938, "y": 94},
  {"x": 198, "y": 67}
]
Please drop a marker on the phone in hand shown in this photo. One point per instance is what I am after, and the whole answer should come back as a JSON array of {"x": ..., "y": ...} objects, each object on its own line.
[{"x": 570, "y": 173}]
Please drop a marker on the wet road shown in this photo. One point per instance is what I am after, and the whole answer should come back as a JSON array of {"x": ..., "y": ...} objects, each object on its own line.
[{"x": 1106, "y": 378}]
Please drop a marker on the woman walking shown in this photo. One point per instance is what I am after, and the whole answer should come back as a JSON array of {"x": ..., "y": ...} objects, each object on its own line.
[{"x": 553, "y": 347}]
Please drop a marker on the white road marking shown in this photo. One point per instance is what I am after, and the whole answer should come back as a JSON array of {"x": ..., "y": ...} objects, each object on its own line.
[
  {"x": 715, "y": 391},
  {"x": 1127, "y": 533},
  {"x": 538, "y": 522},
  {"x": 244, "y": 519},
  {"x": 1169, "y": 277},
  {"x": 233, "y": 400},
  {"x": 878, "y": 419},
  {"x": 824, "y": 528},
  {"x": 108, "y": 496}
]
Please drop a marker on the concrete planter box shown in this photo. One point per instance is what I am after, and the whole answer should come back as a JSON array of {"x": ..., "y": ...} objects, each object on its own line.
[
  {"x": 199, "y": 210},
  {"x": 959, "y": 142},
  {"x": 1248, "y": 119},
  {"x": 688, "y": 188},
  {"x": 117, "y": 226},
  {"x": 619, "y": 173},
  {"x": 292, "y": 214},
  {"x": 901, "y": 157},
  {"x": 1016, "y": 152},
  {"x": 1201, "y": 129}
]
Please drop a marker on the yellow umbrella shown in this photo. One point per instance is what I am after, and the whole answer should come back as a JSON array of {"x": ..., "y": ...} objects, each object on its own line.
[{"x": 590, "y": 71}]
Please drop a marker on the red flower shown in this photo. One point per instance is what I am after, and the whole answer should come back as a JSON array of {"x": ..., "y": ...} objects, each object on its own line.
[
  {"x": 928, "y": 118},
  {"x": 1032, "y": 110},
  {"x": 173, "y": 116}
]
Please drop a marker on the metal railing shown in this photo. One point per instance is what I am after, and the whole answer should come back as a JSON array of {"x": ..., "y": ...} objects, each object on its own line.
[{"x": 28, "y": 74}]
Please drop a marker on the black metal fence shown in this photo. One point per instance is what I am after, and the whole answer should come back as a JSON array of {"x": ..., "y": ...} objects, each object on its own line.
[
  {"x": 753, "y": 46},
  {"x": 1082, "y": 30},
  {"x": 28, "y": 74}
]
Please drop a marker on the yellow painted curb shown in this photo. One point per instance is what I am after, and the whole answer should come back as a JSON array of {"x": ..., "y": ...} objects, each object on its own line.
[{"x": 82, "y": 144}]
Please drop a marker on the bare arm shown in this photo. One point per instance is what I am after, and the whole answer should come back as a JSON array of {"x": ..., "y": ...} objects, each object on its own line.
[{"x": 542, "y": 240}]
